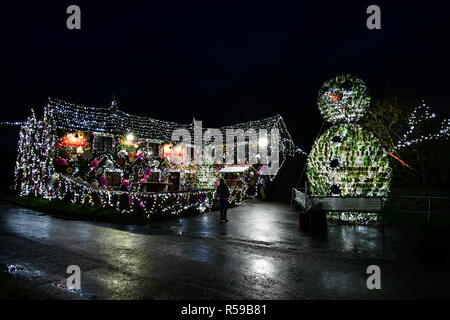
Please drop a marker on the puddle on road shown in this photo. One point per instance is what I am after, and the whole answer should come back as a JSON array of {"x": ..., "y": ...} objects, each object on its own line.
[
  {"x": 30, "y": 273},
  {"x": 12, "y": 268},
  {"x": 61, "y": 284}
]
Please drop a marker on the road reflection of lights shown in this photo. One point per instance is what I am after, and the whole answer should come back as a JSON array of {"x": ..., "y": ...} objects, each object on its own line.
[
  {"x": 337, "y": 281},
  {"x": 355, "y": 238},
  {"x": 262, "y": 266},
  {"x": 38, "y": 227},
  {"x": 347, "y": 238}
]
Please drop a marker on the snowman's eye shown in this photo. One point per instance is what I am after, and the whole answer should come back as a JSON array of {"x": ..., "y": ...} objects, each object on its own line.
[
  {"x": 347, "y": 85},
  {"x": 334, "y": 163},
  {"x": 336, "y": 139}
]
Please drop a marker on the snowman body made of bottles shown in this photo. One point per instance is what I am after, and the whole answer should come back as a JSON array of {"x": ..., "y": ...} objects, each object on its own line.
[{"x": 347, "y": 159}]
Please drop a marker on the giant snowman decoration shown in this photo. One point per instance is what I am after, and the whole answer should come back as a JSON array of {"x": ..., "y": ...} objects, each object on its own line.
[{"x": 347, "y": 160}]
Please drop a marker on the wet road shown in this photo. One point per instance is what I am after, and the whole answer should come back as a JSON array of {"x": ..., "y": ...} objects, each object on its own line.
[{"x": 259, "y": 254}]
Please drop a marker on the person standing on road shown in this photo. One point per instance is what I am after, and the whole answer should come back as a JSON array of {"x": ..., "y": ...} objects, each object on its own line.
[{"x": 223, "y": 193}]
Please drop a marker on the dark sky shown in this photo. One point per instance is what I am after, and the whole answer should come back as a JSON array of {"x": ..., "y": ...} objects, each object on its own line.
[{"x": 220, "y": 61}]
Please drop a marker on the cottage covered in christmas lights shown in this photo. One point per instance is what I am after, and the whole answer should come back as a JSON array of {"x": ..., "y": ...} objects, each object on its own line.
[{"x": 107, "y": 158}]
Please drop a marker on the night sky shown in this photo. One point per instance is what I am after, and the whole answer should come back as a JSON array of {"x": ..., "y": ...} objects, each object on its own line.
[{"x": 220, "y": 61}]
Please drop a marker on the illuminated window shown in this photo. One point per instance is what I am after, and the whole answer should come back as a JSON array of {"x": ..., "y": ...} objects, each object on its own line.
[
  {"x": 102, "y": 143},
  {"x": 74, "y": 140}
]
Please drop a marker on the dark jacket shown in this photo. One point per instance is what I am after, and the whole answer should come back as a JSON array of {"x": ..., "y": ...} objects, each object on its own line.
[{"x": 223, "y": 192}]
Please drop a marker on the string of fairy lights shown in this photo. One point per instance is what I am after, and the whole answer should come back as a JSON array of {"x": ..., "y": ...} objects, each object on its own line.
[
  {"x": 420, "y": 114},
  {"x": 11, "y": 123},
  {"x": 76, "y": 191},
  {"x": 34, "y": 161},
  {"x": 111, "y": 120}
]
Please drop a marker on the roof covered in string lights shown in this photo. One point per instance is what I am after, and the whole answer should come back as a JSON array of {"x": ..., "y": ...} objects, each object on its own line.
[{"x": 111, "y": 120}]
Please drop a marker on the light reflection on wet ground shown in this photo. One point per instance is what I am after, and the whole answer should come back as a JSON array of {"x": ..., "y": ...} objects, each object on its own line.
[{"x": 260, "y": 253}]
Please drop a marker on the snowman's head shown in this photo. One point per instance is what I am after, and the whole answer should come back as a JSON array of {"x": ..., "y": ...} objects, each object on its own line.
[{"x": 343, "y": 99}]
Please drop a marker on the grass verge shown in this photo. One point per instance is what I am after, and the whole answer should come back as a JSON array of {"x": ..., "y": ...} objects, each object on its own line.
[{"x": 65, "y": 210}]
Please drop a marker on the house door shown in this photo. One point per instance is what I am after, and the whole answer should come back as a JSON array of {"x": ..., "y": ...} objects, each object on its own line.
[{"x": 174, "y": 180}]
